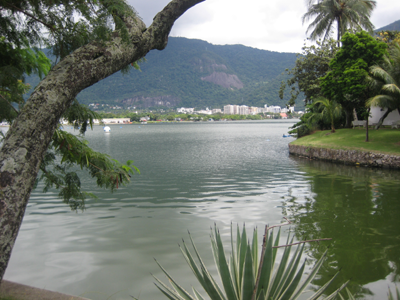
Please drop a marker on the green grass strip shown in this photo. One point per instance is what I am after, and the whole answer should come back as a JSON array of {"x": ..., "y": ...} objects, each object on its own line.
[{"x": 384, "y": 140}]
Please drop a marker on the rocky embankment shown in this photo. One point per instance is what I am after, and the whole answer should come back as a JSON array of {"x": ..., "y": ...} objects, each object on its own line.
[{"x": 351, "y": 157}]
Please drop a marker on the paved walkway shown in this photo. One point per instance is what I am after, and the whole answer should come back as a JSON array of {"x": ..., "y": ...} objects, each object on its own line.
[{"x": 24, "y": 292}]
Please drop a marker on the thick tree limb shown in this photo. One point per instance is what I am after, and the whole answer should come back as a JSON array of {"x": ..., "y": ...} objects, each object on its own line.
[{"x": 30, "y": 134}]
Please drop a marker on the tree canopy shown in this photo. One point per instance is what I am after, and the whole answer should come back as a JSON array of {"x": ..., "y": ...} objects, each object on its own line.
[
  {"x": 345, "y": 82},
  {"x": 347, "y": 14},
  {"x": 311, "y": 65}
]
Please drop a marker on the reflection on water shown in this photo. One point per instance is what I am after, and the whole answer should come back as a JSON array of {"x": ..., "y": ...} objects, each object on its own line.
[
  {"x": 193, "y": 175},
  {"x": 359, "y": 209}
]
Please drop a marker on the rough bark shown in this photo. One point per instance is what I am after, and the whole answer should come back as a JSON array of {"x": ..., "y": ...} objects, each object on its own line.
[{"x": 30, "y": 134}]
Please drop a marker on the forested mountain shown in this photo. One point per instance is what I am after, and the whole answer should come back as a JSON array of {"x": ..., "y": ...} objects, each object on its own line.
[
  {"x": 392, "y": 26},
  {"x": 195, "y": 73}
]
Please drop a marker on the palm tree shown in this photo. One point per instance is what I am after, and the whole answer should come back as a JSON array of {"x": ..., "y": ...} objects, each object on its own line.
[
  {"x": 387, "y": 77},
  {"x": 345, "y": 14},
  {"x": 331, "y": 111}
]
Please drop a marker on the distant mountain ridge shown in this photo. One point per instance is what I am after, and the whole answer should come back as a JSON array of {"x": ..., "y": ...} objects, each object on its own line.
[
  {"x": 392, "y": 26},
  {"x": 195, "y": 73}
]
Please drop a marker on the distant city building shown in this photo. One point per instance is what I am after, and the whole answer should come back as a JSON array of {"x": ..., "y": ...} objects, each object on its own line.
[
  {"x": 185, "y": 110},
  {"x": 243, "y": 110},
  {"x": 114, "y": 121},
  {"x": 274, "y": 109},
  {"x": 228, "y": 109},
  {"x": 255, "y": 110},
  {"x": 286, "y": 110},
  {"x": 204, "y": 111},
  {"x": 216, "y": 111}
]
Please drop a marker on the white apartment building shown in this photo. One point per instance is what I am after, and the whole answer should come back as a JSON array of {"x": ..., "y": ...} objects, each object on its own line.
[
  {"x": 243, "y": 110},
  {"x": 274, "y": 109},
  {"x": 228, "y": 109}
]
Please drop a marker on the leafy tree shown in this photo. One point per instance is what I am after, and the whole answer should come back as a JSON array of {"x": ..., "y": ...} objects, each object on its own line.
[
  {"x": 386, "y": 77},
  {"x": 100, "y": 52},
  {"x": 314, "y": 119},
  {"x": 14, "y": 64},
  {"x": 330, "y": 111},
  {"x": 311, "y": 65},
  {"x": 347, "y": 14},
  {"x": 135, "y": 118},
  {"x": 345, "y": 82}
]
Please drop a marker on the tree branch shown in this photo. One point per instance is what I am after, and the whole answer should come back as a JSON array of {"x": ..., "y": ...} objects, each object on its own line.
[
  {"x": 31, "y": 133},
  {"x": 5, "y": 99},
  {"x": 32, "y": 17},
  {"x": 303, "y": 242},
  {"x": 165, "y": 19}
]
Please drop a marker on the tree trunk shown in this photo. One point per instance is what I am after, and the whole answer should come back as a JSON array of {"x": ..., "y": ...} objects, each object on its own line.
[
  {"x": 30, "y": 134},
  {"x": 366, "y": 131},
  {"x": 380, "y": 122},
  {"x": 348, "y": 118},
  {"x": 355, "y": 115}
]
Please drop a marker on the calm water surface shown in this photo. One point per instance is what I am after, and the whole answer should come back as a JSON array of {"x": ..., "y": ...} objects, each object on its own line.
[{"x": 192, "y": 176}]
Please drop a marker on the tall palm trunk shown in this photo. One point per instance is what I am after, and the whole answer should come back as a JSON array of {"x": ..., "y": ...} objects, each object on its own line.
[{"x": 338, "y": 31}]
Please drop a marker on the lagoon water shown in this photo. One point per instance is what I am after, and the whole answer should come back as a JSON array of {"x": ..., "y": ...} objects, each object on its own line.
[{"x": 192, "y": 176}]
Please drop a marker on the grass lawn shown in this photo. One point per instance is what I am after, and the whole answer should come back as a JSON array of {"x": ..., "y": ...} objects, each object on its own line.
[{"x": 384, "y": 140}]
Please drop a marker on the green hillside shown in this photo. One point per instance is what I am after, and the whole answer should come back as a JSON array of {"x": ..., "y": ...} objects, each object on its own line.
[
  {"x": 395, "y": 26},
  {"x": 195, "y": 73}
]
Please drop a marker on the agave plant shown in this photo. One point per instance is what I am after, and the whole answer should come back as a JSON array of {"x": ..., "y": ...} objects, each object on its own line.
[{"x": 246, "y": 275}]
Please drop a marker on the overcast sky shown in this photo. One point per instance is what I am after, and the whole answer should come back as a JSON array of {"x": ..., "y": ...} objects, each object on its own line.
[{"x": 273, "y": 25}]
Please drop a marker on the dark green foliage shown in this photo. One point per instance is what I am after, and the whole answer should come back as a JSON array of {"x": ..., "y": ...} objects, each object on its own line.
[
  {"x": 67, "y": 151},
  {"x": 14, "y": 64},
  {"x": 346, "y": 83},
  {"x": 80, "y": 116},
  {"x": 315, "y": 119},
  {"x": 311, "y": 65},
  {"x": 305, "y": 126}
]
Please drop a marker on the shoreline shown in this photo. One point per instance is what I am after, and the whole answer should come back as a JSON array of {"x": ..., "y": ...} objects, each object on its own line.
[
  {"x": 26, "y": 292},
  {"x": 347, "y": 157}
]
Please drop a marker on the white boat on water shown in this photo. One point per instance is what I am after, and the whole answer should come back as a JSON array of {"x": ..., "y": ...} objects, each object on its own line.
[{"x": 107, "y": 129}]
